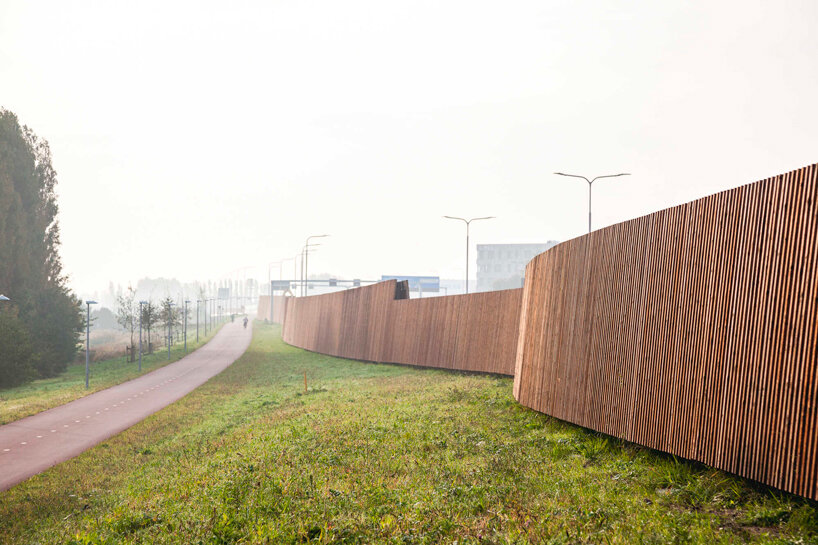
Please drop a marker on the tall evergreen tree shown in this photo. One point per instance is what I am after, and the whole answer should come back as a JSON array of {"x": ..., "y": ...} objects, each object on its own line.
[{"x": 30, "y": 267}]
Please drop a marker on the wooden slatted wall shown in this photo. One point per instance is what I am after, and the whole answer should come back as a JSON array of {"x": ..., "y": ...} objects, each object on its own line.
[
  {"x": 263, "y": 311},
  {"x": 279, "y": 306},
  {"x": 475, "y": 332},
  {"x": 691, "y": 331}
]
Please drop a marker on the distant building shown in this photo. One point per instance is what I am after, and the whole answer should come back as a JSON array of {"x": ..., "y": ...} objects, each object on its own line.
[{"x": 502, "y": 266}]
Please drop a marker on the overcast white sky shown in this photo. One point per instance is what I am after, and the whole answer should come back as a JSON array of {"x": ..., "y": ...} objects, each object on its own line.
[{"x": 194, "y": 138}]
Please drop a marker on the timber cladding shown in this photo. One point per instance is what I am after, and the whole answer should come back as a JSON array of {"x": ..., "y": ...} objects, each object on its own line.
[
  {"x": 476, "y": 332},
  {"x": 279, "y": 307},
  {"x": 691, "y": 331}
]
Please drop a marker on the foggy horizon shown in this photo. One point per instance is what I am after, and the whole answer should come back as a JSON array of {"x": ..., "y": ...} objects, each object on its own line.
[{"x": 192, "y": 140}]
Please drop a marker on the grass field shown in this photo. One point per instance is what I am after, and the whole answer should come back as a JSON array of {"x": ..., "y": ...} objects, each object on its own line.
[
  {"x": 43, "y": 394},
  {"x": 380, "y": 454}
]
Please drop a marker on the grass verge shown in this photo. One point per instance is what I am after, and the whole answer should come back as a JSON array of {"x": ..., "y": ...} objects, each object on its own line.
[
  {"x": 43, "y": 394},
  {"x": 381, "y": 454}
]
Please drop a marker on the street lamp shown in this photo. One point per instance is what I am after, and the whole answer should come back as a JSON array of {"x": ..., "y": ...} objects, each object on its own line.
[
  {"x": 170, "y": 321},
  {"x": 590, "y": 182},
  {"x": 87, "y": 337},
  {"x": 307, "y": 258},
  {"x": 197, "y": 320},
  {"x": 295, "y": 264},
  {"x": 467, "y": 222},
  {"x": 186, "y": 303},
  {"x": 269, "y": 274},
  {"x": 305, "y": 251},
  {"x": 140, "y": 333}
]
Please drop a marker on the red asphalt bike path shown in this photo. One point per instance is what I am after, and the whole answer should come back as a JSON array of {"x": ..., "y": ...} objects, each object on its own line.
[{"x": 35, "y": 443}]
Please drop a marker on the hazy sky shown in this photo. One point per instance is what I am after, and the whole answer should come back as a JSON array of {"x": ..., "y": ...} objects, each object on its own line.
[{"x": 195, "y": 138}]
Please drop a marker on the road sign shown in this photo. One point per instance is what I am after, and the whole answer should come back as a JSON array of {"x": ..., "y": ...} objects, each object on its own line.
[{"x": 282, "y": 285}]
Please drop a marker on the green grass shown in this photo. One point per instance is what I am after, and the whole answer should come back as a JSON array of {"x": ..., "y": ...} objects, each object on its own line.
[
  {"x": 383, "y": 454},
  {"x": 43, "y": 394}
]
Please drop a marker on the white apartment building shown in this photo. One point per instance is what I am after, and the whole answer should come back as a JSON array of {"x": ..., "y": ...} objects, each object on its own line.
[{"x": 502, "y": 266}]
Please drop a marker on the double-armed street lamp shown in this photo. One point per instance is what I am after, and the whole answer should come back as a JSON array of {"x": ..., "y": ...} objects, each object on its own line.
[
  {"x": 467, "y": 222},
  {"x": 305, "y": 264},
  {"x": 87, "y": 336},
  {"x": 590, "y": 183},
  {"x": 140, "y": 333}
]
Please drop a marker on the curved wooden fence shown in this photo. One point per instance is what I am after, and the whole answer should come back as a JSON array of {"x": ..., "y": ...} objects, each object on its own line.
[
  {"x": 691, "y": 331},
  {"x": 476, "y": 332}
]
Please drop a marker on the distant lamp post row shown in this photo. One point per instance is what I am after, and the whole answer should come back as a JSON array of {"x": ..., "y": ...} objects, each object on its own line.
[
  {"x": 590, "y": 183},
  {"x": 468, "y": 222},
  {"x": 141, "y": 312}
]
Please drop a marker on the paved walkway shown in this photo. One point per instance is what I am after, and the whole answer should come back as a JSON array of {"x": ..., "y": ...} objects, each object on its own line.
[{"x": 33, "y": 444}]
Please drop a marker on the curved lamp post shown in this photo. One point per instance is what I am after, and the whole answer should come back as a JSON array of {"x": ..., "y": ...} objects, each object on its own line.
[
  {"x": 307, "y": 259},
  {"x": 87, "y": 336},
  {"x": 467, "y": 222},
  {"x": 309, "y": 248},
  {"x": 590, "y": 183},
  {"x": 295, "y": 265}
]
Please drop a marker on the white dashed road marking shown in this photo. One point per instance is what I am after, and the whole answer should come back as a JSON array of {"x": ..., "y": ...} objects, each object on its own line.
[{"x": 19, "y": 464}]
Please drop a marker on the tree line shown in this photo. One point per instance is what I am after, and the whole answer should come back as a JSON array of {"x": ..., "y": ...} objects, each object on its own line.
[
  {"x": 166, "y": 313},
  {"x": 39, "y": 326}
]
